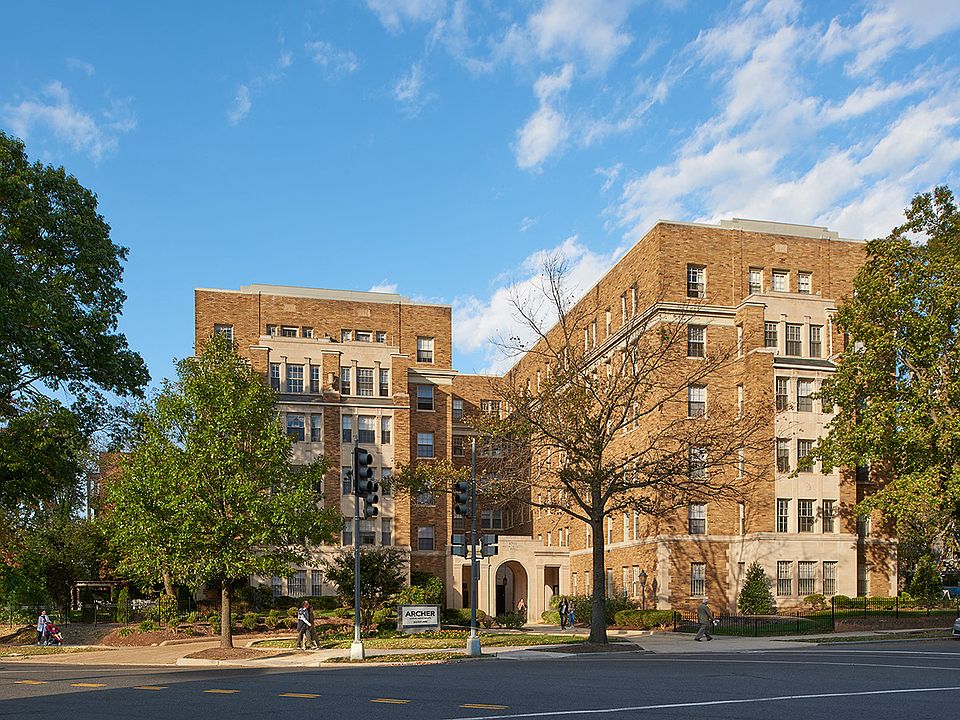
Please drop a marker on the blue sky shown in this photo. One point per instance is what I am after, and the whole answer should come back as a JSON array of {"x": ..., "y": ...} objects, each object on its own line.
[{"x": 438, "y": 147}]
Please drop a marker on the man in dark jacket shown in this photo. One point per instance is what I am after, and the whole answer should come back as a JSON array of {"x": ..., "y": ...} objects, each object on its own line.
[
  {"x": 305, "y": 622},
  {"x": 705, "y": 618}
]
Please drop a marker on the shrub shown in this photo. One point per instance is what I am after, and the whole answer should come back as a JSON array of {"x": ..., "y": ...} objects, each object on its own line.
[
  {"x": 325, "y": 602},
  {"x": 167, "y": 608},
  {"x": 292, "y": 612},
  {"x": 123, "y": 606},
  {"x": 424, "y": 589},
  {"x": 215, "y": 624},
  {"x": 925, "y": 585},
  {"x": 755, "y": 597},
  {"x": 271, "y": 622},
  {"x": 290, "y": 622},
  {"x": 174, "y": 623},
  {"x": 343, "y": 612},
  {"x": 842, "y": 602},
  {"x": 235, "y": 618},
  {"x": 147, "y": 626},
  {"x": 125, "y": 632},
  {"x": 382, "y": 615},
  {"x": 907, "y": 600},
  {"x": 816, "y": 601},
  {"x": 644, "y": 619},
  {"x": 550, "y": 617},
  {"x": 250, "y": 621},
  {"x": 386, "y": 626},
  {"x": 583, "y": 607},
  {"x": 193, "y": 618},
  {"x": 511, "y": 620},
  {"x": 456, "y": 616},
  {"x": 285, "y": 601}
]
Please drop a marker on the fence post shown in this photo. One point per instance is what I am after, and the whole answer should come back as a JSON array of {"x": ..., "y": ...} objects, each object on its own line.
[
  {"x": 755, "y": 628},
  {"x": 798, "y": 621},
  {"x": 897, "y": 607}
]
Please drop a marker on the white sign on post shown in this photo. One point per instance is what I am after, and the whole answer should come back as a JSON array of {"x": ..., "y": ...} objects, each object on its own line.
[{"x": 418, "y": 618}]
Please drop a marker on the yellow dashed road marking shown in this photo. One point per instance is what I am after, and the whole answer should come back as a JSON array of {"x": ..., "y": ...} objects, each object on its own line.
[
  {"x": 482, "y": 706},
  {"x": 87, "y": 684},
  {"x": 222, "y": 692},
  {"x": 298, "y": 695},
  {"x": 391, "y": 701},
  {"x": 30, "y": 682},
  {"x": 150, "y": 687}
]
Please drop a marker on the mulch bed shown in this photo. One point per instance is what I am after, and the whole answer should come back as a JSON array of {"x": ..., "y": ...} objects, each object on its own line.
[
  {"x": 593, "y": 648},
  {"x": 235, "y": 654}
]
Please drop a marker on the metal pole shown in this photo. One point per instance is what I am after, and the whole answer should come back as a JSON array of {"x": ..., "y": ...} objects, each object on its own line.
[
  {"x": 356, "y": 648},
  {"x": 473, "y": 644}
]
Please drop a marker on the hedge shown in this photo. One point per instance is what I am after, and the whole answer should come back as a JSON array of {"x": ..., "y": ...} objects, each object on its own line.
[{"x": 644, "y": 619}]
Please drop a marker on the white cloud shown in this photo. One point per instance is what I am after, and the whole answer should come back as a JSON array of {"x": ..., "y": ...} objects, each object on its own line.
[
  {"x": 408, "y": 90},
  {"x": 393, "y": 13},
  {"x": 82, "y": 65},
  {"x": 547, "y": 129},
  {"x": 97, "y": 135},
  {"x": 479, "y": 322},
  {"x": 332, "y": 58},
  {"x": 609, "y": 174},
  {"x": 241, "y": 105},
  {"x": 384, "y": 287},
  {"x": 528, "y": 222}
]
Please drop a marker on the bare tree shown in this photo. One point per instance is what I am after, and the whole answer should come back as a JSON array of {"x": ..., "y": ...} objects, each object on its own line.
[{"x": 589, "y": 429}]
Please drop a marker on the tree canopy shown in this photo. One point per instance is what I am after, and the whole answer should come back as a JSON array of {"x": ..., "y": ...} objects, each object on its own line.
[
  {"x": 897, "y": 385},
  {"x": 208, "y": 491}
]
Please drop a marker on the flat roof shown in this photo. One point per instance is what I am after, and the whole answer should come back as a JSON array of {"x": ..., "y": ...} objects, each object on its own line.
[{"x": 327, "y": 294}]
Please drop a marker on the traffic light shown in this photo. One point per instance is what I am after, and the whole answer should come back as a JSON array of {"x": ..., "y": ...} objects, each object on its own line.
[
  {"x": 461, "y": 498},
  {"x": 363, "y": 472},
  {"x": 458, "y": 545},
  {"x": 371, "y": 499},
  {"x": 488, "y": 545}
]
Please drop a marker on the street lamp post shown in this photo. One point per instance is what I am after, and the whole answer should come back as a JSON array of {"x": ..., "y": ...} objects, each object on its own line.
[{"x": 643, "y": 589}]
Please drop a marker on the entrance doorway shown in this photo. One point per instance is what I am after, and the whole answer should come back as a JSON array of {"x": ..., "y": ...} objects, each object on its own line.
[{"x": 511, "y": 587}]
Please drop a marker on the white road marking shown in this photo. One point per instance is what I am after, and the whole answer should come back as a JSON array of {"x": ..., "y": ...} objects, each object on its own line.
[
  {"x": 708, "y": 703},
  {"x": 713, "y": 661}
]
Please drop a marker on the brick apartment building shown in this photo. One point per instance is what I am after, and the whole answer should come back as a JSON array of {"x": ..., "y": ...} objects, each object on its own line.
[{"x": 377, "y": 367}]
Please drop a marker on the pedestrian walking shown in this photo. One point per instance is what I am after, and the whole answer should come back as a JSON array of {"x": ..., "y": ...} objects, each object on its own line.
[
  {"x": 563, "y": 610},
  {"x": 571, "y": 619},
  {"x": 305, "y": 632},
  {"x": 705, "y": 618},
  {"x": 42, "y": 621},
  {"x": 522, "y": 608}
]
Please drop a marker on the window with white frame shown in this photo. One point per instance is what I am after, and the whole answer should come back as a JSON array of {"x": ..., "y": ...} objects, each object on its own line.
[
  {"x": 816, "y": 341},
  {"x": 755, "y": 284},
  {"x": 828, "y": 511},
  {"x": 806, "y": 577},
  {"x": 424, "y": 349},
  {"x": 805, "y": 517},
  {"x": 804, "y": 285},
  {"x": 830, "y": 577},
  {"x": 794, "y": 345},
  {"x": 696, "y": 401},
  {"x": 386, "y": 531},
  {"x": 425, "y": 537},
  {"x": 386, "y": 481},
  {"x": 782, "y": 393},
  {"x": 623, "y": 310},
  {"x": 696, "y": 341},
  {"x": 276, "y": 586},
  {"x": 424, "y": 397},
  {"x": 783, "y": 455},
  {"x": 366, "y": 429},
  {"x": 346, "y": 428},
  {"x": 288, "y": 331},
  {"x": 306, "y": 332},
  {"x": 346, "y": 335},
  {"x": 783, "y": 514},
  {"x": 697, "y": 463},
  {"x": 457, "y": 409},
  {"x": 698, "y": 579},
  {"x": 491, "y": 519},
  {"x": 781, "y": 280},
  {"x": 364, "y": 336},
  {"x": 345, "y": 381},
  {"x": 365, "y": 382},
  {"x": 346, "y": 480},
  {"x": 424, "y": 444},
  {"x": 784, "y": 577},
  {"x": 316, "y": 427},
  {"x": 316, "y": 583},
  {"x": 770, "y": 335},
  {"x": 804, "y": 395},
  {"x": 273, "y": 330},
  {"x": 633, "y": 301},
  {"x": 458, "y": 446},
  {"x": 294, "y": 378},
  {"x": 381, "y": 336},
  {"x": 384, "y": 382},
  {"x": 696, "y": 281},
  {"x": 490, "y": 407},
  {"x": 297, "y": 584},
  {"x": 368, "y": 532},
  {"x": 225, "y": 330},
  {"x": 295, "y": 429},
  {"x": 739, "y": 400},
  {"x": 347, "y": 534},
  {"x": 314, "y": 378},
  {"x": 697, "y": 519},
  {"x": 275, "y": 376},
  {"x": 386, "y": 424},
  {"x": 863, "y": 579},
  {"x": 804, "y": 448}
]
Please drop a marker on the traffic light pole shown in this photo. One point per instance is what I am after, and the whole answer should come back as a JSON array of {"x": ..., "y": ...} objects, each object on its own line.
[
  {"x": 473, "y": 644},
  {"x": 356, "y": 648}
]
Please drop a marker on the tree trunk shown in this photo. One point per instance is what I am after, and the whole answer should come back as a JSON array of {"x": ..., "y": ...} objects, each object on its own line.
[
  {"x": 598, "y": 614},
  {"x": 226, "y": 626},
  {"x": 168, "y": 584}
]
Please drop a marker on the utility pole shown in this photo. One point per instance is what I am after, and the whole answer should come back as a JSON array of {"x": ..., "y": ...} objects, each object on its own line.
[{"x": 473, "y": 643}]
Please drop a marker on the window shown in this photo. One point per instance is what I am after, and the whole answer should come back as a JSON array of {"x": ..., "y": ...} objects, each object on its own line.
[
  {"x": 697, "y": 519},
  {"x": 425, "y": 445},
  {"x": 794, "y": 346},
  {"x": 805, "y": 519},
  {"x": 314, "y": 378},
  {"x": 386, "y": 481},
  {"x": 384, "y": 382},
  {"x": 381, "y": 336},
  {"x": 739, "y": 401},
  {"x": 368, "y": 532},
  {"x": 385, "y": 427},
  {"x": 294, "y": 378},
  {"x": 272, "y": 330},
  {"x": 593, "y": 332},
  {"x": 346, "y": 335},
  {"x": 697, "y": 463},
  {"x": 346, "y": 429},
  {"x": 633, "y": 301},
  {"x": 345, "y": 381},
  {"x": 755, "y": 283},
  {"x": 297, "y": 584},
  {"x": 863, "y": 580},
  {"x": 364, "y": 336},
  {"x": 225, "y": 330},
  {"x": 863, "y": 526},
  {"x": 275, "y": 376},
  {"x": 805, "y": 395},
  {"x": 490, "y": 407},
  {"x": 491, "y": 519},
  {"x": 806, "y": 578},
  {"x": 275, "y": 586},
  {"x": 346, "y": 480},
  {"x": 784, "y": 577},
  {"x": 608, "y": 323},
  {"x": 457, "y": 409},
  {"x": 623, "y": 310},
  {"x": 424, "y": 397},
  {"x": 783, "y": 455},
  {"x": 804, "y": 285},
  {"x": 365, "y": 382},
  {"x": 306, "y": 332},
  {"x": 386, "y": 531},
  {"x": 696, "y": 341},
  {"x": 698, "y": 579},
  {"x": 804, "y": 448},
  {"x": 347, "y": 536},
  {"x": 770, "y": 335},
  {"x": 426, "y": 498},
  {"x": 696, "y": 281},
  {"x": 425, "y": 538},
  {"x": 783, "y": 514},
  {"x": 425, "y": 349},
  {"x": 781, "y": 280},
  {"x": 288, "y": 331},
  {"x": 827, "y": 514},
  {"x": 830, "y": 577},
  {"x": 316, "y": 428},
  {"x": 458, "y": 446},
  {"x": 816, "y": 341},
  {"x": 366, "y": 429},
  {"x": 782, "y": 393},
  {"x": 295, "y": 426},
  {"x": 697, "y": 401},
  {"x": 739, "y": 340},
  {"x": 316, "y": 583},
  {"x": 742, "y": 515}
]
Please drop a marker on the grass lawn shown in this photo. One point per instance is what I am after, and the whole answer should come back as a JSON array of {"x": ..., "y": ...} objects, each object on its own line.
[
  {"x": 405, "y": 658},
  {"x": 414, "y": 642},
  {"x": 32, "y": 650},
  {"x": 931, "y": 634}
]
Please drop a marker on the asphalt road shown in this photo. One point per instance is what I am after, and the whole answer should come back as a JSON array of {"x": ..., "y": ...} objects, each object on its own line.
[{"x": 889, "y": 680}]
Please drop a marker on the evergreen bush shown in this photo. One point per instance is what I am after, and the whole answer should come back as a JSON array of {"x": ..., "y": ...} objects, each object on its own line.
[
  {"x": 925, "y": 587},
  {"x": 123, "y": 606},
  {"x": 250, "y": 621},
  {"x": 755, "y": 597}
]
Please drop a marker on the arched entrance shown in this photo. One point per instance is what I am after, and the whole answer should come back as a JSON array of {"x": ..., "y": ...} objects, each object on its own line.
[{"x": 511, "y": 586}]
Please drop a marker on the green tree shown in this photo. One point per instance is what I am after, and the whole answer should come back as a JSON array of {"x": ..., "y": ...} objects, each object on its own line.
[
  {"x": 755, "y": 597},
  {"x": 210, "y": 479},
  {"x": 897, "y": 385},
  {"x": 925, "y": 585},
  {"x": 382, "y": 576}
]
